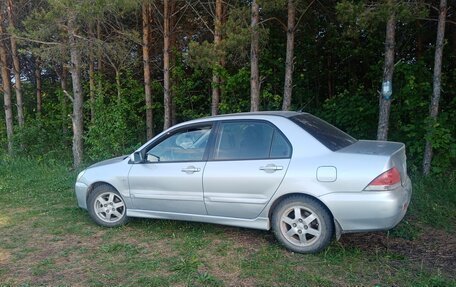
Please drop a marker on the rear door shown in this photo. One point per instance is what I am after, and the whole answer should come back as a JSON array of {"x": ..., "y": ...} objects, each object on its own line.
[{"x": 247, "y": 164}]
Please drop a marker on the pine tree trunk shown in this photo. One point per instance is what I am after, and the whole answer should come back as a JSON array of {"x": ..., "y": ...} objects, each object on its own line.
[
  {"x": 39, "y": 98},
  {"x": 172, "y": 59},
  {"x": 99, "y": 60},
  {"x": 16, "y": 68},
  {"x": 118, "y": 86},
  {"x": 254, "y": 51},
  {"x": 434, "y": 107},
  {"x": 147, "y": 75},
  {"x": 166, "y": 77},
  {"x": 6, "y": 89},
  {"x": 419, "y": 40},
  {"x": 329, "y": 68},
  {"x": 91, "y": 75},
  {"x": 62, "y": 73},
  {"x": 419, "y": 32},
  {"x": 388, "y": 69},
  {"x": 63, "y": 101},
  {"x": 216, "y": 80},
  {"x": 78, "y": 99},
  {"x": 289, "y": 58}
]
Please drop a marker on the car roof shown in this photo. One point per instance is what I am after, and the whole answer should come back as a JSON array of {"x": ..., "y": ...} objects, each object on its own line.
[
  {"x": 244, "y": 115},
  {"x": 286, "y": 114}
]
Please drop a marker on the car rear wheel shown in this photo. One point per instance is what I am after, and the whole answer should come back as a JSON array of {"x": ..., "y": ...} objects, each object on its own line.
[
  {"x": 107, "y": 207},
  {"x": 302, "y": 224}
]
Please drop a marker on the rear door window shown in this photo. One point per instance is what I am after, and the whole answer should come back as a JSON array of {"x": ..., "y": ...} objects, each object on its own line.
[{"x": 250, "y": 140}]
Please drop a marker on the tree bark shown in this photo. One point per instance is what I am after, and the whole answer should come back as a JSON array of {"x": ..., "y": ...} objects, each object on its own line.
[
  {"x": 172, "y": 59},
  {"x": 147, "y": 74},
  {"x": 289, "y": 58},
  {"x": 330, "y": 68},
  {"x": 216, "y": 80},
  {"x": 16, "y": 67},
  {"x": 99, "y": 60},
  {"x": 419, "y": 40},
  {"x": 419, "y": 47},
  {"x": 63, "y": 101},
  {"x": 39, "y": 98},
  {"x": 388, "y": 69},
  {"x": 91, "y": 74},
  {"x": 118, "y": 85},
  {"x": 434, "y": 106},
  {"x": 6, "y": 88},
  {"x": 166, "y": 72},
  {"x": 78, "y": 99},
  {"x": 254, "y": 51}
]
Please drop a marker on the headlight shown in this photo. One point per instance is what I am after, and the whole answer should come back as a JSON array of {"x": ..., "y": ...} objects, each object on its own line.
[{"x": 80, "y": 175}]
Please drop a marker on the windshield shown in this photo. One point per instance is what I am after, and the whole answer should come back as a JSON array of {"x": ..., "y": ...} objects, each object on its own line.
[{"x": 327, "y": 134}]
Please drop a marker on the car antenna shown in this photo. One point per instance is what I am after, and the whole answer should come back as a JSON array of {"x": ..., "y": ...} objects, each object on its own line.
[{"x": 305, "y": 105}]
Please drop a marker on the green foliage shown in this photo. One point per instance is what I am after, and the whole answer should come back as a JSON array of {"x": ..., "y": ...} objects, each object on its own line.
[
  {"x": 3, "y": 139},
  {"x": 360, "y": 15},
  {"x": 337, "y": 70},
  {"x": 47, "y": 136},
  {"x": 117, "y": 128},
  {"x": 356, "y": 111},
  {"x": 236, "y": 42},
  {"x": 442, "y": 138},
  {"x": 109, "y": 134},
  {"x": 410, "y": 121},
  {"x": 235, "y": 92},
  {"x": 191, "y": 93},
  {"x": 353, "y": 112},
  {"x": 42, "y": 139},
  {"x": 204, "y": 55}
]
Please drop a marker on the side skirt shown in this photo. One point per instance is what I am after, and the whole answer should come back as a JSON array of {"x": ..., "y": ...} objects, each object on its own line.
[{"x": 257, "y": 223}]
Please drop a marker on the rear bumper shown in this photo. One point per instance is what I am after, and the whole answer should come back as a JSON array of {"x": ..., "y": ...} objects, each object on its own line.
[{"x": 369, "y": 210}]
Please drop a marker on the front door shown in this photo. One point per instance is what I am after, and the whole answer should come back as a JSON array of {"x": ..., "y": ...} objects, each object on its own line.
[{"x": 170, "y": 180}]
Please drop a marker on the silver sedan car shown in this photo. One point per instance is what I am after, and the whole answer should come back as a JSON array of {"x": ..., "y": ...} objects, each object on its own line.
[{"x": 290, "y": 172}]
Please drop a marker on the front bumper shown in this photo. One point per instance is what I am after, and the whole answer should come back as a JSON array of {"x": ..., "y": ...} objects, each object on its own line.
[
  {"x": 369, "y": 210},
  {"x": 81, "y": 194}
]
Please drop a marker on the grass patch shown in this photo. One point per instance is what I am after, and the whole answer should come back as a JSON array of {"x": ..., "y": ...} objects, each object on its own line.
[{"x": 47, "y": 240}]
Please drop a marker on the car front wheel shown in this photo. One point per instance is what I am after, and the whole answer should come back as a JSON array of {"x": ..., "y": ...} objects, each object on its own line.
[
  {"x": 106, "y": 207},
  {"x": 302, "y": 224}
]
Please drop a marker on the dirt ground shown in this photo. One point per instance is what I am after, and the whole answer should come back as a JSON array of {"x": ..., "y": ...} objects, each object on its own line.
[{"x": 433, "y": 249}]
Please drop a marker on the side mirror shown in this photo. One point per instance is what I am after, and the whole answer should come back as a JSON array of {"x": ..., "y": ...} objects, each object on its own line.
[{"x": 137, "y": 157}]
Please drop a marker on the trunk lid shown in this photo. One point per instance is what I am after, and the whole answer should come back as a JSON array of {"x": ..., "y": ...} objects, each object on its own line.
[{"x": 394, "y": 151}]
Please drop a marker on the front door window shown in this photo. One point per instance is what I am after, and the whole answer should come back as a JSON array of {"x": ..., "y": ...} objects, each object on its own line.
[{"x": 184, "y": 145}]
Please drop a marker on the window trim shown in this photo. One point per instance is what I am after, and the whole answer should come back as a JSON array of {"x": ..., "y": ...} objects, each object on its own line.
[{"x": 217, "y": 135}]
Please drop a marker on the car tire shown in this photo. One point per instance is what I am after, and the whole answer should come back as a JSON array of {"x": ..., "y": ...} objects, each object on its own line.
[
  {"x": 107, "y": 207},
  {"x": 302, "y": 224}
]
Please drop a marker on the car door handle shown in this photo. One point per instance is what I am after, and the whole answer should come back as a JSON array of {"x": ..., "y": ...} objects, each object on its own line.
[
  {"x": 190, "y": 169},
  {"x": 271, "y": 168}
]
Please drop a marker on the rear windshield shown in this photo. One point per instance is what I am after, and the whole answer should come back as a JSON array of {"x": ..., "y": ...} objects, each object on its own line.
[{"x": 327, "y": 134}]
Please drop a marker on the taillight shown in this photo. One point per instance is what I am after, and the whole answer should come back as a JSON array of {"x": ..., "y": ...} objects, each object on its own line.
[{"x": 388, "y": 180}]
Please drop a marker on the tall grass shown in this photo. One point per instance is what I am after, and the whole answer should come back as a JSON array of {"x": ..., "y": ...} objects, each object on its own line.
[{"x": 434, "y": 201}]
